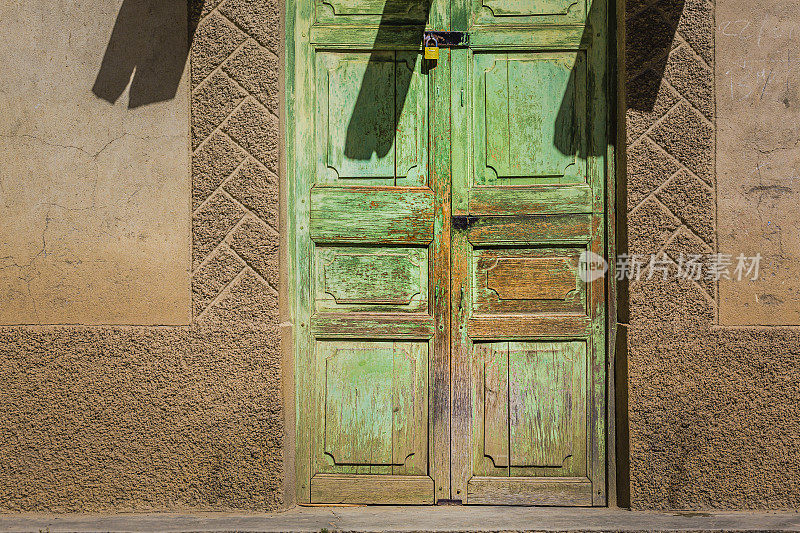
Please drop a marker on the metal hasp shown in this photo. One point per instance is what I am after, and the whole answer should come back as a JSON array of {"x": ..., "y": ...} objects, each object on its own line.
[
  {"x": 462, "y": 222},
  {"x": 447, "y": 39}
]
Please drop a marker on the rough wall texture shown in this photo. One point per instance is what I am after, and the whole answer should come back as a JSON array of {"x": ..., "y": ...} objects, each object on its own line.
[
  {"x": 713, "y": 410},
  {"x": 138, "y": 418}
]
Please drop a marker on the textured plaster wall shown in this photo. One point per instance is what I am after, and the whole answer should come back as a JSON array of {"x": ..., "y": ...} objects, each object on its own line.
[
  {"x": 156, "y": 418},
  {"x": 714, "y": 419},
  {"x": 153, "y": 418},
  {"x": 94, "y": 193}
]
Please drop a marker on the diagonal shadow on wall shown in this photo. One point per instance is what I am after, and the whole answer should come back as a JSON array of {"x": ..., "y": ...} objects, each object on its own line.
[
  {"x": 649, "y": 37},
  {"x": 148, "y": 49},
  {"x": 648, "y": 43}
]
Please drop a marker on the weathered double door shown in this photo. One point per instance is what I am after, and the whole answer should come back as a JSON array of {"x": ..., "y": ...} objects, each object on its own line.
[{"x": 446, "y": 345}]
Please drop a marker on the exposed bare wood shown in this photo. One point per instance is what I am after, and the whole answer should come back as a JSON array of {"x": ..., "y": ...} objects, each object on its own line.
[
  {"x": 522, "y": 327},
  {"x": 533, "y": 229},
  {"x": 529, "y": 491},
  {"x": 372, "y": 215},
  {"x": 373, "y": 325},
  {"x": 389, "y": 490}
]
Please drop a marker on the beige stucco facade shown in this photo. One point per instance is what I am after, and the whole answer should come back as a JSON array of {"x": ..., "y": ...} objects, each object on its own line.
[
  {"x": 187, "y": 410},
  {"x": 78, "y": 244}
]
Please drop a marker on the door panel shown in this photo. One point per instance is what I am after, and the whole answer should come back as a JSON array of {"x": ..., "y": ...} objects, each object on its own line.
[
  {"x": 530, "y": 115},
  {"x": 365, "y": 134},
  {"x": 365, "y": 279},
  {"x": 527, "y": 281},
  {"x": 373, "y": 407},
  {"x": 531, "y": 399},
  {"x": 490, "y": 12}
]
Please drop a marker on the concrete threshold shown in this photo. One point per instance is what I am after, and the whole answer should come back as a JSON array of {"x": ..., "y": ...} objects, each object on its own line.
[{"x": 410, "y": 519}]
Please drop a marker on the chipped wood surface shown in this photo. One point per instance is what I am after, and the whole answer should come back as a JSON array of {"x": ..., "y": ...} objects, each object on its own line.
[
  {"x": 449, "y": 362},
  {"x": 561, "y": 492},
  {"x": 389, "y": 490}
]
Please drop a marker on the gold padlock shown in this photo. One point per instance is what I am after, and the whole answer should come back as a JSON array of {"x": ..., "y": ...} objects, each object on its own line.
[{"x": 431, "y": 52}]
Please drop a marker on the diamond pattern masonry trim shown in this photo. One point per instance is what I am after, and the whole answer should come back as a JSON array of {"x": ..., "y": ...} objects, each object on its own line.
[
  {"x": 680, "y": 134},
  {"x": 234, "y": 137}
]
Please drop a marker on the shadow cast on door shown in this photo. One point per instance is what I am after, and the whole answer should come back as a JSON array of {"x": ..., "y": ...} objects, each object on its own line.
[{"x": 363, "y": 140}]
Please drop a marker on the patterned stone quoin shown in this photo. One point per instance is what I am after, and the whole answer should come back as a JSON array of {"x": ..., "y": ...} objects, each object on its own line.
[
  {"x": 235, "y": 103},
  {"x": 670, "y": 130}
]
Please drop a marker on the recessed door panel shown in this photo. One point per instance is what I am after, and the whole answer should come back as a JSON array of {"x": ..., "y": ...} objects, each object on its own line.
[
  {"x": 372, "y": 409},
  {"x": 528, "y": 281},
  {"x": 526, "y": 12},
  {"x": 380, "y": 279},
  {"x": 530, "y": 114},
  {"x": 371, "y": 119},
  {"x": 531, "y": 402}
]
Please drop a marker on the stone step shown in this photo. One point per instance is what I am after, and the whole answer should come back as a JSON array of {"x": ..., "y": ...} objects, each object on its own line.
[{"x": 386, "y": 519}]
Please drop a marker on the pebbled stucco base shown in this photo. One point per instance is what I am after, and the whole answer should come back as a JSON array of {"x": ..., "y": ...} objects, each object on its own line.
[{"x": 169, "y": 418}]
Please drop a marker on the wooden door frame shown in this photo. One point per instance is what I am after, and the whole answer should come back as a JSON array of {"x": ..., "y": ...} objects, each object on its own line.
[{"x": 294, "y": 325}]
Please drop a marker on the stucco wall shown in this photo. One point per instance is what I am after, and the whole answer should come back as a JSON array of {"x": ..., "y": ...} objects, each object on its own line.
[
  {"x": 94, "y": 186},
  {"x": 714, "y": 419},
  {"x": 139, "y": 418}
]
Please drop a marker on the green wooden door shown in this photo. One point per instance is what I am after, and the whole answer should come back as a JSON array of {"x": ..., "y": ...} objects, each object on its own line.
[
  {"x": 445, "y": 345},
  {"x": 528, "y": 333},
  {"x": 370, "y": 169}
]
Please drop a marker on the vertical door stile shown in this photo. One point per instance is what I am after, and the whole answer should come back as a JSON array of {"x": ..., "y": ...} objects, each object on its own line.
[
  {"x": 462, "y": 367},
  {"x": 300, "y": 179},
  {"x": 439, "y": 77},
  {"x": 598, "y": 24}
]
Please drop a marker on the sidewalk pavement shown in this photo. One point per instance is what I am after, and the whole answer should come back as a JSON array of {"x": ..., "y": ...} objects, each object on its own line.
[{"x": 385, "y": 519}]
